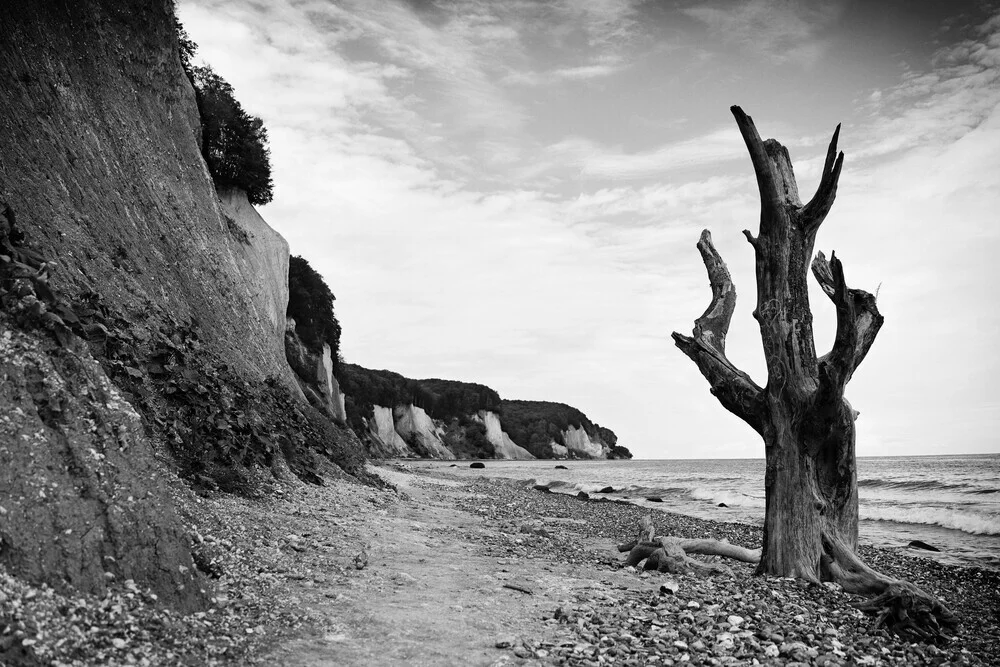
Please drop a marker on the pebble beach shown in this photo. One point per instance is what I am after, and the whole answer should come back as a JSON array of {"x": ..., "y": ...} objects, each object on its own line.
[{"x": 434, "y": 569}]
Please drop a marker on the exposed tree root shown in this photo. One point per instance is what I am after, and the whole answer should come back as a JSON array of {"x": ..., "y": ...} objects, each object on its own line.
[{"x": 899, "y": 606}]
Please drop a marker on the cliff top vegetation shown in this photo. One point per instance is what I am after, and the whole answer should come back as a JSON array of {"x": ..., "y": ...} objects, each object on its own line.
[{"x": 233, "y": 142}]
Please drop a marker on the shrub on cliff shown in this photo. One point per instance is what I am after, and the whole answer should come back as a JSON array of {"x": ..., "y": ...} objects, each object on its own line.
[
  {"x": 310, "y": 304},
  {"x": 234, "y": 143}
]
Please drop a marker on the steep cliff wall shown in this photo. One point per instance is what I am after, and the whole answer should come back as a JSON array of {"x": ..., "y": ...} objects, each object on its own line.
[
  {"x": 314, "y": 374},
  {"x": 503, "y": 446},
  {"x": 382, "y": 427},
  {"x": 447, "y": 419},
  {"x": 557, "y": 430},
  {"x": 419, "y": 430},
  {"x": 262, "y": 256},
  {"x": 176, "y": 294},
  {"x": 80, "y": 494},
  {"x": 99, "y": 156},
  {"x": 578, "y": 441}
]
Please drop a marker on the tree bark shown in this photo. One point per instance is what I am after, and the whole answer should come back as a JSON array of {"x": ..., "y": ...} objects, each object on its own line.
[{"x": 802, "y": 415}]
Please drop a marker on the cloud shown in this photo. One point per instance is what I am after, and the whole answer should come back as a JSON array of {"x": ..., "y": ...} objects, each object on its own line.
[
  {"x": 780, "y": 30},
  {"x": 938, "y": 106}
]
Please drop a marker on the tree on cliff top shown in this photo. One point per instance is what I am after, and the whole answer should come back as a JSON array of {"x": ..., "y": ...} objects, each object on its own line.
[
  {"x": 310, "y": 303},
  {"x": 234, "y": 143},
  {"x": 811, "y": 495}
]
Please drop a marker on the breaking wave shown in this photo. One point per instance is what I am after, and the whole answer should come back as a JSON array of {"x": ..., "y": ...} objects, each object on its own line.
[
  {"x": 925, "y": 485},
  {"x": 967, "y": 522}
]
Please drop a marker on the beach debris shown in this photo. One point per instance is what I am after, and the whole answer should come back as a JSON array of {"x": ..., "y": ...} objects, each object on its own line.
[
  {"x": 543, "y": 488},
  {"x": 673, "y": 554},
  {"x": 361, "y": 560},
  {"x": 519, "y": 587},
  {"x": 506, "y": 641},
  {"x": 669, "y": 588}
]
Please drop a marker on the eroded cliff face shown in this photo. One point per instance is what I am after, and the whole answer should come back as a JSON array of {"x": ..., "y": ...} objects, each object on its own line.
[
  {"x": 314, "y": 374},
  {"x": 261, "y": 254},
  {"x": 80, "y": 492},
  {"x": 388, "y": 442},
  {"x": 99, "y": 156},
  {"x": 503, "y": 446},
  {"x": 578, "y": 441},
  {"x": 419, "y": 430}
]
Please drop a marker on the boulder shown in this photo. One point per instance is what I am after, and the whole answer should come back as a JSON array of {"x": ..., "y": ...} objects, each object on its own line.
[{"x": 477, "y": 464}]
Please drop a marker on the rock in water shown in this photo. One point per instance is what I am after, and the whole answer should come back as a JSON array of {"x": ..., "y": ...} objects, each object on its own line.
[
  {"x": 723, "y": 505},
  {"x": 583, "y": 495},
  {"x": 477, "y": 464},
  {"x": 561, "y": 468},
  {"x": 607, "y": 489},
  {"x": 919, "y": 544},
  {"x": 542, "y": 488},
  {"x": 654, "y": 499}
]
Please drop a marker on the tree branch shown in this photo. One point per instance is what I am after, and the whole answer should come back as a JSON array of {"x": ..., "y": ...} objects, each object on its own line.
[
  {"x": 766, "y": 182},
  {"x": 707, "y": 346},
  {"x": 858, "y": 322},
  {"x": 815, "y": 211}
]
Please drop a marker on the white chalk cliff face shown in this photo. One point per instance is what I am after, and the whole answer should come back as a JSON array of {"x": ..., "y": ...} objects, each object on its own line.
[
  {"x": 558, "y": 451},
  {"x": 416, "y": 427},
  {"x": 331, "y": 387},
  {"x": 503, "y": 446},
  {"x": 577, "y": 440},
  {"x": 265, "y": 259},
  {"x": 383, "y": 427}
]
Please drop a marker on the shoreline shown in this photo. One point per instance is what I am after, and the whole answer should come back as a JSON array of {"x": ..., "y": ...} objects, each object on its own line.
[
  {"x": 678, "y": 495},
  {"x": 441, "y": 570}
]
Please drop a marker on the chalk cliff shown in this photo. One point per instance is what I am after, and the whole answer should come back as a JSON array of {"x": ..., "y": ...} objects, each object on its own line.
[
  {"x": 419, "y": 430},
  {"x": 577, "y": 440},
  {"x": 447, "y": 419},
  {"x": 387, "y": 442},
  {"x": 503, "y": 446},
  {"x": 150, "y": 297}
]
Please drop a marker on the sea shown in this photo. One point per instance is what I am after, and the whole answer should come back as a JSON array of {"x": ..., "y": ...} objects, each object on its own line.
[{"x": 949, "y": 502}]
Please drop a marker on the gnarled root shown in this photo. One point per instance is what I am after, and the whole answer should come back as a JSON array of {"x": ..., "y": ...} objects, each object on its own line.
[
  {"x": 900, "y": 606},
  {"x": 672, "y": 554},
  {"x": 910, "y": 612}
]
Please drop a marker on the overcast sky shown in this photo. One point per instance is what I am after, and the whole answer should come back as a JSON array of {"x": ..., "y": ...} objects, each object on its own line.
[{"x": 510, "y": 192}]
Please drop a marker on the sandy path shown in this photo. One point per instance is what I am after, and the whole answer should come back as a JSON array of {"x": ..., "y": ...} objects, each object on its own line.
[{"x": 430, "y": 594}]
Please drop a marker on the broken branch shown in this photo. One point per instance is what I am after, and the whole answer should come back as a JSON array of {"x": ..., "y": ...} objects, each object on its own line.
[
  {"x": 707, "y": 346},
  {"x": 858, "y": 323}
]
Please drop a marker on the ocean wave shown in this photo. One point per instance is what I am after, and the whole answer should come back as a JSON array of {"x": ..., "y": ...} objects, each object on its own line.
[
  {"x": 731, "y": 498},
  {"x": 967, "y": 522},
  {"x": 925, "y": 485}
]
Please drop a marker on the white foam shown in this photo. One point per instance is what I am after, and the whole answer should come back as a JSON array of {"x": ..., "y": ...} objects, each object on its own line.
[{"x": 967, "y": 522}]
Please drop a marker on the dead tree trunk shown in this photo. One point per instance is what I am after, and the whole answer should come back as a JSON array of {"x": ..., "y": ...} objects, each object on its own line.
[{"x": 811, "y": 513}]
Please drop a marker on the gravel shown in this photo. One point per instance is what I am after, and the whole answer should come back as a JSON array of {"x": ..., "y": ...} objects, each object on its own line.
[{"x": 722, "y": 621}]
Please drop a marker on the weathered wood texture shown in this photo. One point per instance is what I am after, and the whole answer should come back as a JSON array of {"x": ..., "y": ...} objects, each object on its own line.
[{"x": 807, "y": 424}]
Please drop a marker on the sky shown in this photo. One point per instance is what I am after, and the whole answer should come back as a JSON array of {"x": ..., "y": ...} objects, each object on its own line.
[{"x": 509, "y": 192}]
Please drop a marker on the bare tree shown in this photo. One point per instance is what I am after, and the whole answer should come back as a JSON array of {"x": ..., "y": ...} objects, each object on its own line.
[{"x": 811, "y": 514}]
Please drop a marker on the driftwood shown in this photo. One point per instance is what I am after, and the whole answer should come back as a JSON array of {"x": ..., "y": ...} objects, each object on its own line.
[
  {"x": 673, "y": 554},
  {"x": 898, "y": 605}
]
